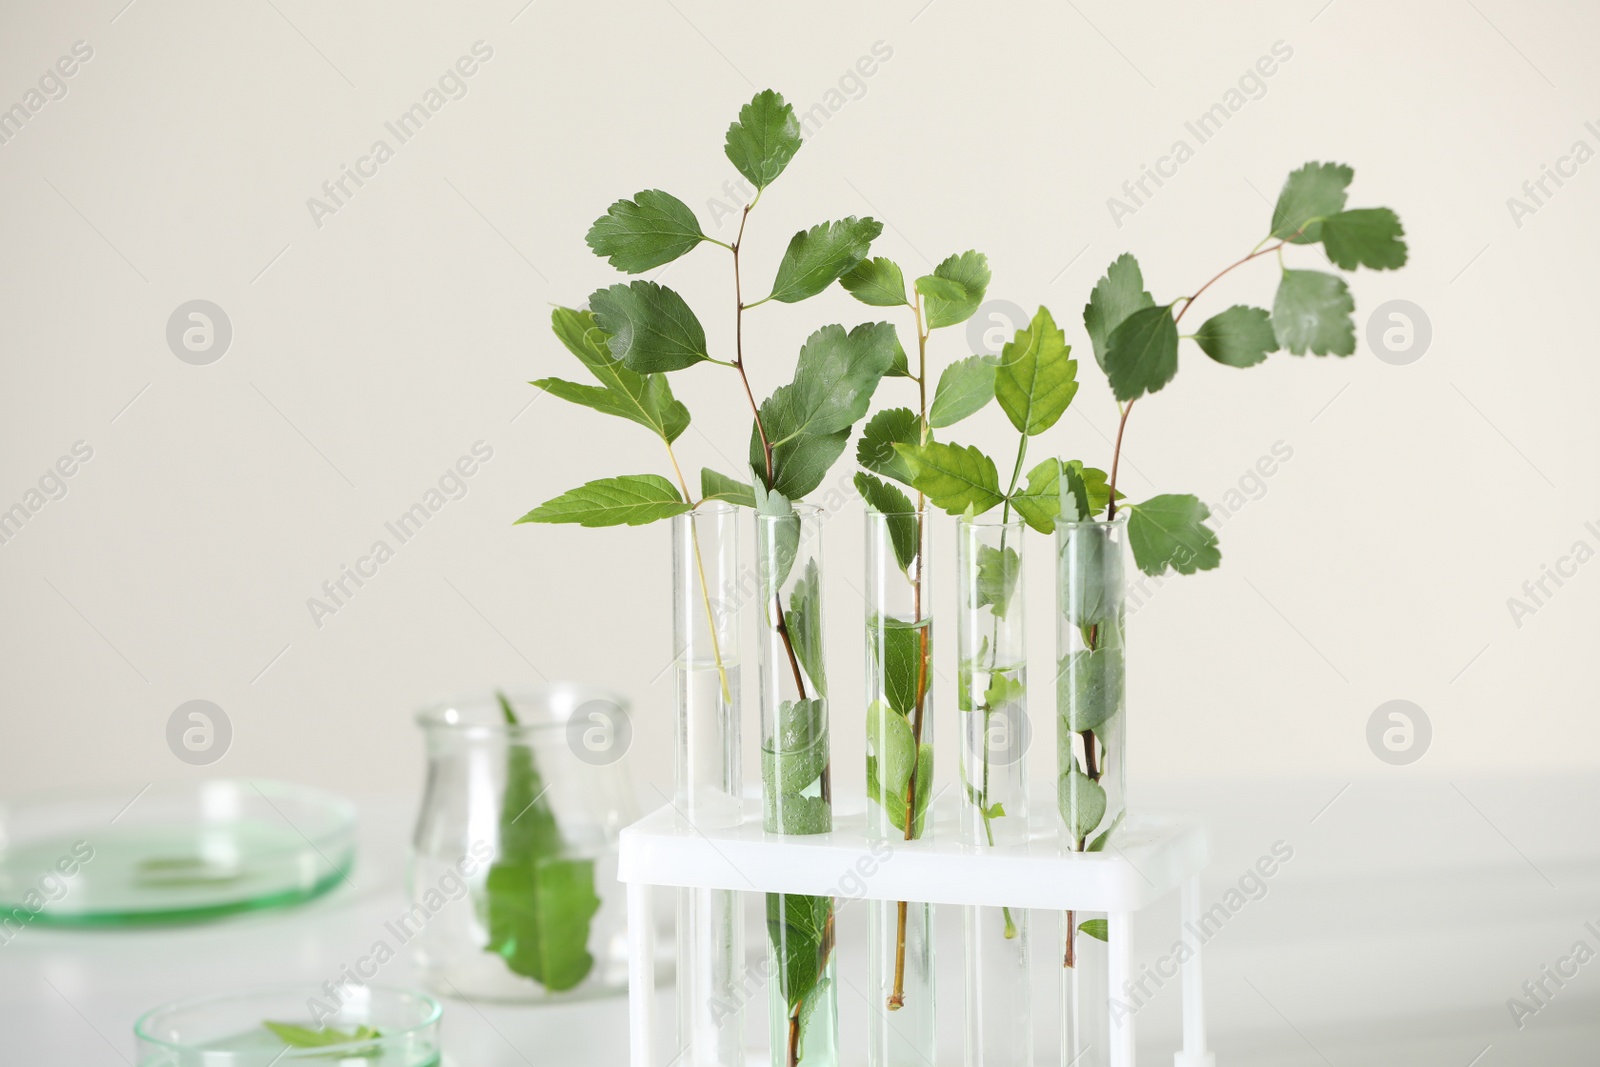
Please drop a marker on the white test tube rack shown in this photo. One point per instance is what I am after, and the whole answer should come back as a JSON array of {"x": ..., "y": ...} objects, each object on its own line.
[{"x": 1154, "y": 855}]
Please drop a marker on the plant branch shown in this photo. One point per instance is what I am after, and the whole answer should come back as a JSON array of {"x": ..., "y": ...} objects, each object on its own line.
[{"x": 705, "y": 588}]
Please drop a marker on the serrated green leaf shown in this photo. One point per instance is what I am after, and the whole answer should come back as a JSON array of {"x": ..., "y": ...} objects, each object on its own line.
[
  {"x": 877, "y": 282},
  {"x": 651, "y": 328},
  {"x": 1365, "y": 237},
  {"x": 1003, "y": 690},
  {"x": 651, "y": 229},
  {"x": 764, "y": 139},
  {"x": 1119, "y": 293},
  {"x": 901, "y": 367},
  {"x": 1170, "y": 531},
  {"x": 798, "y": 927},
  {"x": 1142, "y": 355},
  {"x": 803, "y": 620},
  {"x": 1040, "y": 503},
  {"x": 900, "y": 516},
  {"x": 1095, "y": 928},
  {"x": 777, "y": 537},
  {"x": 1309, "y": 195},
  {"x": 642, "y": 398},
  {"x": 791, "y": 813},
  {"x": 820, "y": 256},
  {"x": 1312, "y": 312},
  {"x": 996, "y": 582},
  {"x": 876, "y": 452},
  {"x": 953, "y": 477},
  {"x": 632, "y": 500},
  {"x": 714, "y": 485},
  {"x": 808, "y": 422},
  {"x": 802, "y": 752},
  {"x": 1082, "y": 802},
  {"x": 955, "y": 289},
  {"x": 1036, "y": 378},
  {"x": 1238, "y": 337},
  {"x": 964, "y": 388},
  {"x": 1084, "y": 492}
]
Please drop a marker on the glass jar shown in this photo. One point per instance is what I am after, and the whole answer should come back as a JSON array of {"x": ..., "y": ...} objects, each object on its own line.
[{"x": 513, "y": 870}]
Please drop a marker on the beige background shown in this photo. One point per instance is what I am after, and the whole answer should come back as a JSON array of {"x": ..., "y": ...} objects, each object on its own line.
[{"x": 371, "y": 351}]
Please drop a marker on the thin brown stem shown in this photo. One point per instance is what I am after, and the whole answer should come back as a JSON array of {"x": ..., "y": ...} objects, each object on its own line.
[
  {"x": 897, "y": 997},
  {"x": 1188, "y": 302},
  {"x": 1070, "y": 959}
]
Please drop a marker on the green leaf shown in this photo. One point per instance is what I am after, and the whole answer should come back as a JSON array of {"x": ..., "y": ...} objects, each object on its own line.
[
  {"x": 1082, "y": 802},
  {"x": 1084, "y": 493},
  {"x": 1313, "y": 312},
  {"x": 642, "y": 398},
  {"x": 777, "y": 541},
  {"x": 890, "y": 741},
  {"x": 1142, "y": 355},
  {"x": 1099, "y": 843},
  {"x": 820, "y": 256},
  {"x": 802, "y": 461},
  {"x": 1003, "y": 689},
  {"x": 1090, "y": 581},
  {"x": 1095, "y": 928},
  {"x": 903, "y": 668},
  {"x": 998, "y": 572},
  {"x": 651, "y": 229},
  {"x": 540, "y": 903},
  {"x": 1118, "y": 294},
  {"x": 954, "y": 290},
  {"x": 1037, "y": 378},
  {"x": 1366, "y": 237},
  {"x": 964, "y": 388},
  {"x": 1040, "y": 503},
  {"x": 632, "y": 500},
  {"x": 798, "y": 927},
  {"x": 802, "y": 752},
  {"x": 1238, "y": 337},
  {"x": 650, "y": 327},
  {"x": 877, "y": 282},
  {"x": 954, "y": 477},
  {"x": 901, "y": 367},
  {"x": 835, "y": 377},
  {"x": 1090, "y": 686},
  {"x": 764, "y": 139},
  {"x": 808, "y": 421},
  {"x": 894, "y": 803},
  {"x": 715, "y": 485},
  {"x": 1310, "y": 194},
  {"x": 304, "y": 1037},
  {"x": 798, "y": 815},
  {"x": 876, "y": 452},
  {"x": 1170, "y": 531},
  {"x": 803, "y": 620},
  {"x": 900, "y": 515}
]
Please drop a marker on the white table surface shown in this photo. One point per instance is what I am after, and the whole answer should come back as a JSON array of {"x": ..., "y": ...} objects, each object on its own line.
[{"x": 1413, "y": 908}]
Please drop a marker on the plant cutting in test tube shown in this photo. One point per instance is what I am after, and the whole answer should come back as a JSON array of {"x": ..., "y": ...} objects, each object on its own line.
[
  {"x": 631, "y": 337},
  {"x": 1136, "y": 342}
]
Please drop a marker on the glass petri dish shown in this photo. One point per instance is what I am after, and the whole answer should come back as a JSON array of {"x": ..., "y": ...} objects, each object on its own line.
[
  {"x": 169, "y": 853},
  {"x": 229, "y": 1030}
]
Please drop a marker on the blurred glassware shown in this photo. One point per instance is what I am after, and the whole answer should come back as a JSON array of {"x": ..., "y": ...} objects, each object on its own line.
[{"x": 513, "y": 870}]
